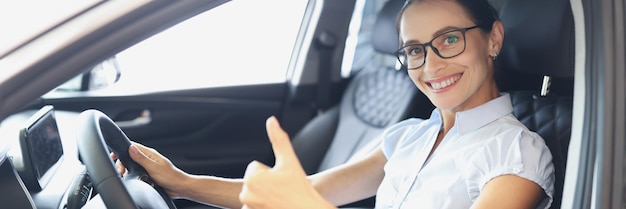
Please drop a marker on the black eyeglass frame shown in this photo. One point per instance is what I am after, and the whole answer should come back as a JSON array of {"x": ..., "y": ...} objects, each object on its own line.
[{"x": 400, "y": 52}]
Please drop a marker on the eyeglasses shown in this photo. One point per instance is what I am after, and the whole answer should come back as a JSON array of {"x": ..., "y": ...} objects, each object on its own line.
[{"x": 446, "y": 45}]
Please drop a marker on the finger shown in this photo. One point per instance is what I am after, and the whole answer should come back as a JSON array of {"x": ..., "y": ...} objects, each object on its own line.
[
  {"x": 118, "y": 164},
  {"x": 254, "y": 173},
  {"x": 281, "y": 144},
  {"x": 140, "y": 155},
  {"x": 120, "y": 167},
  {"x": 141, "y": 147},
  {"x": 254, "y": 168}
]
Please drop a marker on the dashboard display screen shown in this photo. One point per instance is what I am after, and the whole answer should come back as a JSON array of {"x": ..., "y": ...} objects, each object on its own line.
[{"x": 41, "y": 144}]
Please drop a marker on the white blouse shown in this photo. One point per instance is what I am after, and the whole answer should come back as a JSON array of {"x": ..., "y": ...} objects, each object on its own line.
[{"x": 485, "y": 142}]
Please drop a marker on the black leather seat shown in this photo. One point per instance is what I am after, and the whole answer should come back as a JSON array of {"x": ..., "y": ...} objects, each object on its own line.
[{"x": 539, "y": 42}]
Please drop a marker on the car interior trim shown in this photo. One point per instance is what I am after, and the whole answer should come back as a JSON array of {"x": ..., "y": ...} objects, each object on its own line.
[
  {"x": 575, "y": 146},
  {"x": 353, "y": 38},
  {"x": 303, "y": 42}
]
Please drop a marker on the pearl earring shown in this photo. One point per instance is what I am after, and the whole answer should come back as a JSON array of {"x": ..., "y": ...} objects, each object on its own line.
[{"x": 495, "y": 54}]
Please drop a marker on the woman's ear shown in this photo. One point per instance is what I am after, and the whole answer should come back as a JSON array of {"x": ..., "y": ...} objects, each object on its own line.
[{"x": 496, "y": 37}]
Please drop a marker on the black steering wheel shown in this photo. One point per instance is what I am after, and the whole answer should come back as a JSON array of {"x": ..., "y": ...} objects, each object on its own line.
[{"x": 135, "y": 189}]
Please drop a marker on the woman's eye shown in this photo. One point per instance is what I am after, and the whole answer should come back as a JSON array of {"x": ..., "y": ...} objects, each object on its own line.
[
  {"x": 414, "y": 51},
  {"x": 451, "y": 39}
]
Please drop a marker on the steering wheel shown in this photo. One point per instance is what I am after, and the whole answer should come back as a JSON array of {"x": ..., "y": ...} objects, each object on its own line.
[{"x": 136, "y": 188}]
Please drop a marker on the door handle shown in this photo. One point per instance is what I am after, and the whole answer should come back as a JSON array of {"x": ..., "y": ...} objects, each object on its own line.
[{"x": 143, "y": 119}]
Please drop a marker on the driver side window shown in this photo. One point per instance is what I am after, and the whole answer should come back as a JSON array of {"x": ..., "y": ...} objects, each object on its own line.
[{"x": 217, "y": 48}]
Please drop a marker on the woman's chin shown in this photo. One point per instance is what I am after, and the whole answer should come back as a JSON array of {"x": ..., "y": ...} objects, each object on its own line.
[{"x": 451, "y": 103}]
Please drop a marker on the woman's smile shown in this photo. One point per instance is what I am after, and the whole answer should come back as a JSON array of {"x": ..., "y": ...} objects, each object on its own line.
[{"x": 444, "y": 83}]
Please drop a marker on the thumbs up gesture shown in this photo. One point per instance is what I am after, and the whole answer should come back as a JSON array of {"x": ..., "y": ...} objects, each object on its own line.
[{"x": 283, "y": 186}]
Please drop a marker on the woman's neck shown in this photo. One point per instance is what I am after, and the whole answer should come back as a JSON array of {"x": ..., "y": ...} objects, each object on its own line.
[{"x": 449, "y": 115}]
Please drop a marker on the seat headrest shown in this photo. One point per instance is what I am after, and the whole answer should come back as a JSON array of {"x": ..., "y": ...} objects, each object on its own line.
[
  {"x": 538, "y": 37},
  {"x": 385, "y": 34}
]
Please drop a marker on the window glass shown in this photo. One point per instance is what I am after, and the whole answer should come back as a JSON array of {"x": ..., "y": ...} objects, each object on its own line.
[{"x": 240, "y": 42}]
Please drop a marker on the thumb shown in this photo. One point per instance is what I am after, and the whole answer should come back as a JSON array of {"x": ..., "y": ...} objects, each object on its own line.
[
  {"x": 254, "y": 168},
  {"x": 139, "y": 156},
  {"x": 281, "y": 144}
]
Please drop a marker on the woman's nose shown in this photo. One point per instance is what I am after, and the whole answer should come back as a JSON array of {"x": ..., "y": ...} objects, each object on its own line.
[{"x": 432, "y": 62}]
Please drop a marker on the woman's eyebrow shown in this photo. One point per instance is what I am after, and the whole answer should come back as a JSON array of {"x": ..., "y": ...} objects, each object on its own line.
[
  {"x": 444, "y": 29},
  {"x": 436, "y": 33}
]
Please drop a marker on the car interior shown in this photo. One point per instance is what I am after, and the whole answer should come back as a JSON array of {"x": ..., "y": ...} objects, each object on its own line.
[
  {"x": 375, "y": 98},
  {"x": 535, "y": 66},
  {"x": 539, "y": 53},
  {"x": 544, "y": 107}
]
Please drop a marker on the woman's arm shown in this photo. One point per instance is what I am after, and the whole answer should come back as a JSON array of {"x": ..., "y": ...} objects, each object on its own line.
[
  {"x": 509, "y": 192},
  {"x": 212, "y": 190},
  {"x": 351, "y": 182},
  {"x": 340, "y": 185},
  {"x": 286, "y": 185}
]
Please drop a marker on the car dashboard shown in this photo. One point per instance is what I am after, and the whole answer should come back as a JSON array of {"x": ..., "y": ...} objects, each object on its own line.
[{"x": 39, "y": 161}]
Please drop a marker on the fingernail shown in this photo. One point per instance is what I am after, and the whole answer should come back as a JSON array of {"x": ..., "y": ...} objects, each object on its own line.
[
  {"x": 271, "y": 120},
  {"x": 133, "y": 150},
  {"x": 275, "y": 122}
]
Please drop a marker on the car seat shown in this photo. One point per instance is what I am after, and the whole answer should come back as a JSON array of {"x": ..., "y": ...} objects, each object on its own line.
[
  {"x": 536, "y": 66},
  {"x": 376, "y": 97}
]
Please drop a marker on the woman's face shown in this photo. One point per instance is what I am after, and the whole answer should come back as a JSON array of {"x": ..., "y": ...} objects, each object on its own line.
[{"x": 458, "y": 83}]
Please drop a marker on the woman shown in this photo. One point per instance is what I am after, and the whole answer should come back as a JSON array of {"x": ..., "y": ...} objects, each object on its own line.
[{"x": 471, "y": 153}]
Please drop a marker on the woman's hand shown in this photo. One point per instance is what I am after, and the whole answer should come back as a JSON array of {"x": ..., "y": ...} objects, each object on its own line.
[
  {"x": 283, "y": 186},
  {"x": 160, "y": 169}
]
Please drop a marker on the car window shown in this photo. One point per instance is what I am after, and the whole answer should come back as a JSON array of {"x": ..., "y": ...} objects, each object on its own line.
[{"x": 241, "y": 42}]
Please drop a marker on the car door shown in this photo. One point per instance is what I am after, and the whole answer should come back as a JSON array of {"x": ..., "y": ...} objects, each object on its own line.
[{"x": 595, "y": 172}]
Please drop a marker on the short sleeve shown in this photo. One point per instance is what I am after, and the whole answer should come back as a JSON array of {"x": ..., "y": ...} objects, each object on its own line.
[
  {"x": 393, "y": 136},
  {"x": 521, "y": 153}
]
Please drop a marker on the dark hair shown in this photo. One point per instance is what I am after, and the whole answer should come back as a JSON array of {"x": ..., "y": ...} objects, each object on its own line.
[{"x": 481, "y": 12}]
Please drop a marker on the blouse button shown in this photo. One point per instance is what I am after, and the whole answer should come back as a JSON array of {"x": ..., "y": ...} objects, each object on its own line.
[{"x": 517, "y": 170}]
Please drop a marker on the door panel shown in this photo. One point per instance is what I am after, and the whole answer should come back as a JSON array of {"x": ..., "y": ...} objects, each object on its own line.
[{"x": 215, "y": 131}]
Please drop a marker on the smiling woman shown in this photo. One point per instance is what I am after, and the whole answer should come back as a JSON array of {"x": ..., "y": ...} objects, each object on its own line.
[{"x": 215, "y": 132}]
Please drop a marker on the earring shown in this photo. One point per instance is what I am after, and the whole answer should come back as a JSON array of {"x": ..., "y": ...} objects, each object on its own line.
[{"x": 495, "y": 54}]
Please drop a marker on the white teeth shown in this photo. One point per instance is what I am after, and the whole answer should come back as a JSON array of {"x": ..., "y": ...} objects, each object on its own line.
[{"x": 445, "y": 83}]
